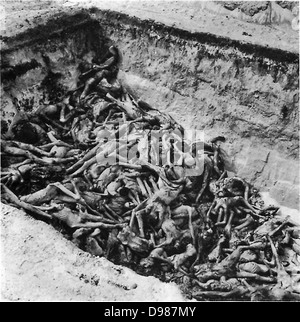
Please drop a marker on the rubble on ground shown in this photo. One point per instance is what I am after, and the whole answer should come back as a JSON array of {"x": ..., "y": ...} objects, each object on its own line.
[{"x": 124, "y": 181}]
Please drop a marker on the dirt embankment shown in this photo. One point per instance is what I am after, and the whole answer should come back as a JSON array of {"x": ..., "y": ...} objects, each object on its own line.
[{"x": 267, "y": 23}]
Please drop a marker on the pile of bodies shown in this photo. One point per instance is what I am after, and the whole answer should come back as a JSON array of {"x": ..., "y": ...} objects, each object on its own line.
[{"x": 125, "y": 181}]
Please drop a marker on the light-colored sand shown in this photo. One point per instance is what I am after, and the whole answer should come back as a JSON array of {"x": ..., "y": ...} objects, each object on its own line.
[{"x": 39, "y": 264}]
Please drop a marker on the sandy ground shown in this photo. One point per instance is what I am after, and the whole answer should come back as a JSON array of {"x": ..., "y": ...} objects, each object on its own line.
[
  {"x": 206, "y": 16},
  {"x": 39, "y": 264},
  {"x": 197, "y": 15}
]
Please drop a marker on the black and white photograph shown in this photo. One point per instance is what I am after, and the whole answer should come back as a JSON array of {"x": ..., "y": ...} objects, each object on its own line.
[{"x": 149, "y": 154}]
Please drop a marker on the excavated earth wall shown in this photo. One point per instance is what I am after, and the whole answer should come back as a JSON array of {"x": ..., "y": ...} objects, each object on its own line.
[{"x": 246, "y": 92}]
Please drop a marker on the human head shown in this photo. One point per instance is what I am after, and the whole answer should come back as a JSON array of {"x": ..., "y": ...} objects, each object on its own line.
[{"x": 113, "y": 49}]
